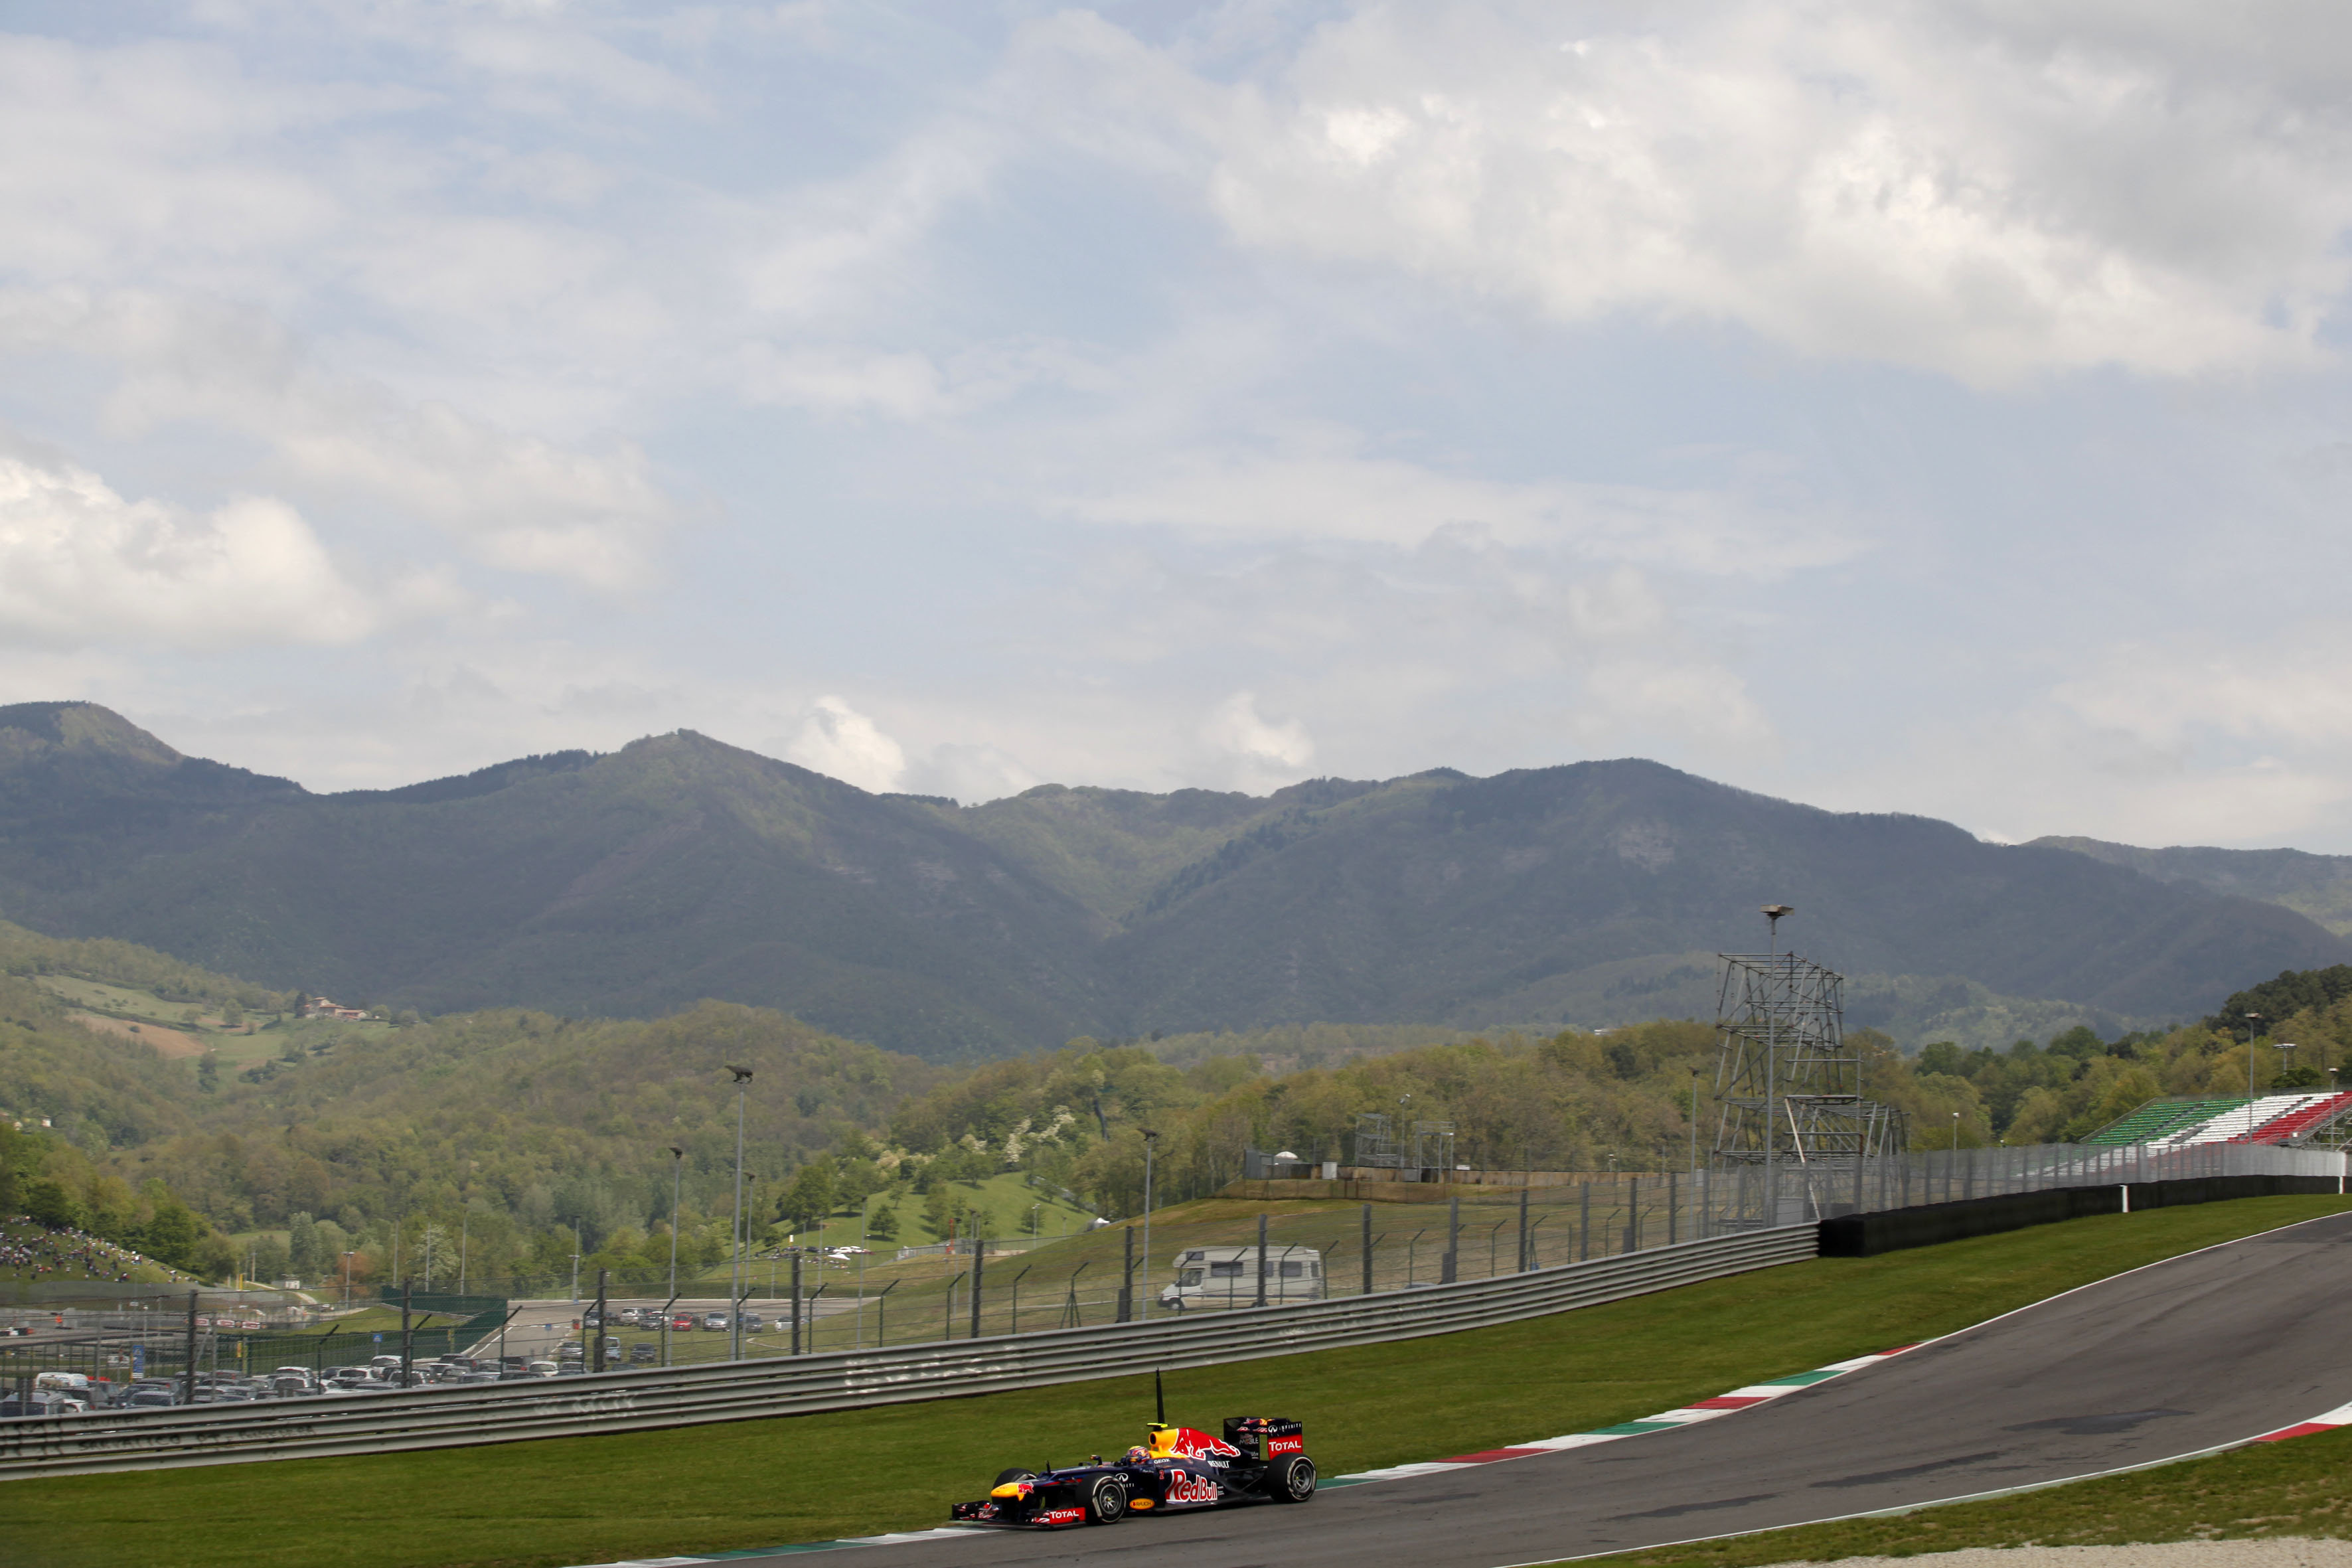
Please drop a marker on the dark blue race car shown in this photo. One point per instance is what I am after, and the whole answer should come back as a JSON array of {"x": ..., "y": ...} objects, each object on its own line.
[{"x": 1261, "y": 1458}]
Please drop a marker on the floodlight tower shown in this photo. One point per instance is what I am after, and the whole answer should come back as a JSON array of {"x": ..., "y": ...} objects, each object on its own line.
[
  {"x": 1772, "y": 916},
  {"x": 735, "y": 1286},
  {"x": 1789, "y": 1085}
]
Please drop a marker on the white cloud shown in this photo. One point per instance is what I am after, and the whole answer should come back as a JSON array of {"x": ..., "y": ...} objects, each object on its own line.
[
  {"x": 834, "y": 379},
  {"x": 970, "y": 773},
  {"x": 586, "y": 512},
  {"x": 837, "y": 740},
  {"x": 1338, "y": 493},
  {"x": 1985, "y": 190},
  {"x": 1235, "y": 727},
  {"x": 79, "y": 564}
]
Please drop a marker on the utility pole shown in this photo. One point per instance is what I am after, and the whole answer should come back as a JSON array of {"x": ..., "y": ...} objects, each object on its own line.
[
  {"x": 408, "y": 1340},
  {"x": 735, "y": 1290}
]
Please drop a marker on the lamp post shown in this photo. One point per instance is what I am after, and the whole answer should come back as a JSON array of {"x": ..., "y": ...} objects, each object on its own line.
[
  {"x": 1151, "y": 1143},
  {"x": 347, "y": 1279},
  {"x": 735, "y": 1287},
  {"x": 1955, "y": 1131},
  {"x": 2252, "y": 1019}
]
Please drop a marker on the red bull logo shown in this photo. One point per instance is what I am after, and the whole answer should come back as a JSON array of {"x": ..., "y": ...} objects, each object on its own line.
[
  {"x": 1185, "y": 1443},
  {"x": 1191, "y": 1488}
]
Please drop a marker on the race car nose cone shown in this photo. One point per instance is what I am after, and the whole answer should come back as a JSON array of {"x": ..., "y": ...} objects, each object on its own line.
[{"x": 1011, "y": 1489}]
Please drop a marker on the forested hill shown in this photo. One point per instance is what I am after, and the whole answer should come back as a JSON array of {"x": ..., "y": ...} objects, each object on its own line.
[
  {"x": 680, "y": 868},
  {"x": 2319, "y": 886}
]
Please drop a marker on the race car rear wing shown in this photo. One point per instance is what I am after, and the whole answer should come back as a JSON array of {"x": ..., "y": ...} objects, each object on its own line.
[{"x": 1263, "y": 1437}]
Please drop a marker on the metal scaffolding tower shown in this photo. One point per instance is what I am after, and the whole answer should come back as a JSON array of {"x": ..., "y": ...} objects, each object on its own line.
[{"x": 1795, "y": 1129}]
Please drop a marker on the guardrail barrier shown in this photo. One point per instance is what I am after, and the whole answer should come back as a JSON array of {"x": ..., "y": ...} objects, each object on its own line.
[{"x": 739, "y": 1391}]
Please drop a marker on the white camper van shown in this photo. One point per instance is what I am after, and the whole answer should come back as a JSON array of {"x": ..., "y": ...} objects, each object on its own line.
[{"x": 1227, "y": 1277}]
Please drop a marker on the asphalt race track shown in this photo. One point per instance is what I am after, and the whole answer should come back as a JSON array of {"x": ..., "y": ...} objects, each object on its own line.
[{"x": 2187, "y": 1354}]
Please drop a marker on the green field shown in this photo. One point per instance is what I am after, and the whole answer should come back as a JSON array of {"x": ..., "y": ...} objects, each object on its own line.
[
  {"x": 237, "y": 1049},
  {"x": 571, "y": 1501}
]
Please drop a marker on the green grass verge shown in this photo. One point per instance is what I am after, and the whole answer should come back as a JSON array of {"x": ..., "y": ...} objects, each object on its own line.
[
  {"x": 749, "y": 1484},
  {"x": 2298, "y": 1487}
]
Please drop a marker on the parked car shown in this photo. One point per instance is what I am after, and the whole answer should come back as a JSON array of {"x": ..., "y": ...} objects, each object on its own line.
[
  {"x": 544, "y": 1369},
  {"x": 753, "y": 1323},
  {"x": 644, "y": 1352},
  {"x": 715, "y": 1320},
  {"x": 151, "y": 1398},
  {"x": 486, "y": 1374},
  {"x": 682, "y": 1322},
  {"x": 631, "y": 1316}
]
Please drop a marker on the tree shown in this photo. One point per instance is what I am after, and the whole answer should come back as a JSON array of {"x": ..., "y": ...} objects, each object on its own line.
[
  {"x": 14, "y": 1147},
  {"x": 51, "y": 1204},
  {"x": 810, "y": 1198},
  {"x": 208, "y": 1072},
  {"x": 939, "y": 1208},
  {"x": 174, "y": 1235},
  {"x": 884, "y": 1224},
  {"x": 304, "y": 1248}
]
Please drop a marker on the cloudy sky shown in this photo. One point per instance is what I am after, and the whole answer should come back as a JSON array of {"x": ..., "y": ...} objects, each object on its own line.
[{"x": 1896, "y": 406}]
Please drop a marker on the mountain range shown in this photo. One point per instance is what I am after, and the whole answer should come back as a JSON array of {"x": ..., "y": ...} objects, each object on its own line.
[{"x": 637, "y": 882}]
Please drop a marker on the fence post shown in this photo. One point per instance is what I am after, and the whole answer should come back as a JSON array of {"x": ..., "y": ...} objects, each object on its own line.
[
  {"x": 188, "y": 1378},
  {"x": 1367, "y": 1249},
  {"x": 796, "y": 1301},
  {"x": 978, "y": 1260},
  {"x": 1523, "y": 1230},
  {"x": 1126, "y": 1274},
  {"x": 1584, "y": 1224},
  {"x": 1261, "y": 1262},
  {"x": 1451, "y": 1269},
  {"x": 406, "y": 1341},
  {"x": 1633, "y": 1214},
  {"x": 1672, "y": 1205}
]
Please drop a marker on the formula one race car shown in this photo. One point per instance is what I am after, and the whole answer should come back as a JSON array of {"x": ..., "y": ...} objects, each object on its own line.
[{"x": 1261, "y": 1458}]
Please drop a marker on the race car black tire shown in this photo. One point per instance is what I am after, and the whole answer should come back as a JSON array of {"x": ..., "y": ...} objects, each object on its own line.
[
  {"x": 1015, "y": 1474},
  {"x": 1291, "y": 1480},
  {"x": 1106, "y": 1501}
]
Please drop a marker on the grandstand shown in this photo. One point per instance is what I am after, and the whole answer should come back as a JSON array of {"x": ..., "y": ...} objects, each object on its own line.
[
  {"x": 2292, "y": 1120},
  {"x": 2159, "y": 1118}
]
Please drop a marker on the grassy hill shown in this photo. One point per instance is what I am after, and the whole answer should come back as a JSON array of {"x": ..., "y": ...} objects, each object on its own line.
[{"x": 678, "y": 868}]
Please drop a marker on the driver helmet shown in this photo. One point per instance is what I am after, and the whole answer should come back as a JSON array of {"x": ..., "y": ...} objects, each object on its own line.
[{"x": 1136, "y": 1456}]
